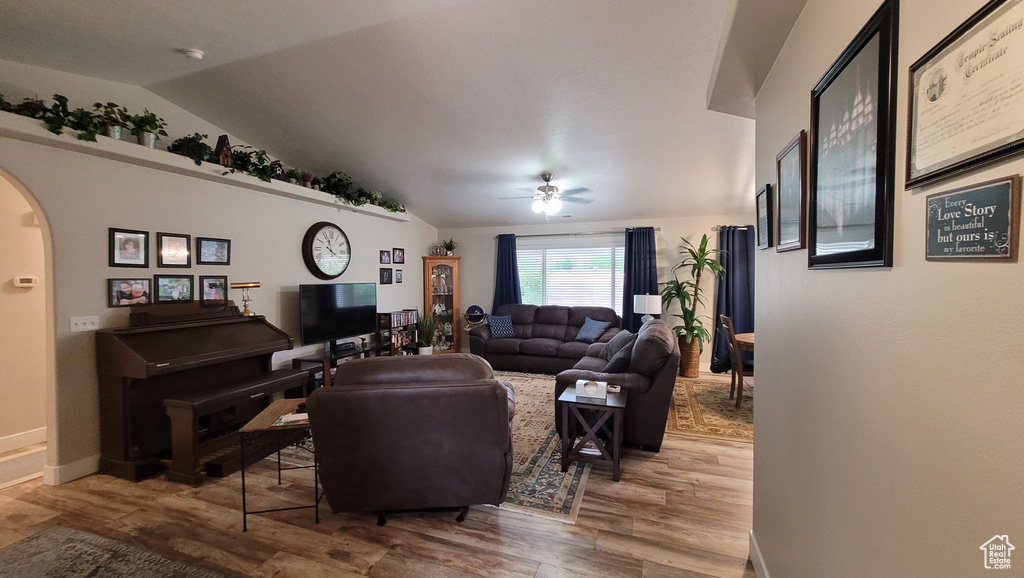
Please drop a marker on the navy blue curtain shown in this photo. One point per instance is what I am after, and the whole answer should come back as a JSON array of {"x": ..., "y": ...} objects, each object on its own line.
[
  {"x": 641, "y": 272},
  {"x": 735, "y": 297},
  {"x": 506, "y": 281}
]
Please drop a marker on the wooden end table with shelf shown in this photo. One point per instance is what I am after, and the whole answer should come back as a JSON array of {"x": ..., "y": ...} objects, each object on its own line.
[{"x": 600, "y": 415}]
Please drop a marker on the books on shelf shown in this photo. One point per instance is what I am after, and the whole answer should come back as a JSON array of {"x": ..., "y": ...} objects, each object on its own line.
[{"x": 292, "y": 419}]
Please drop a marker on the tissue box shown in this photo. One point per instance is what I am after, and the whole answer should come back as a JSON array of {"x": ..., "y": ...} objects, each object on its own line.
[{"x": 591, "y": 391}]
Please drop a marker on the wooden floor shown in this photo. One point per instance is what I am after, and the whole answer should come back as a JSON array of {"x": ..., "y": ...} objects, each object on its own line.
[{"x": 685, "y": 511}]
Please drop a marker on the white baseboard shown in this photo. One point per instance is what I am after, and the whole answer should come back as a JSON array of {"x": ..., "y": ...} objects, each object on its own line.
[
  {"x": 21, "y": 440},
  {"x": 755, "y": 558},
  {"x": 56, "y": 475}
]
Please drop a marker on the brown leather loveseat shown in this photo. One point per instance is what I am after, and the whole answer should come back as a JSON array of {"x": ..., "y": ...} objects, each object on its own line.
[
  {"x": 545, "y": 337},
  {"x": 650, "y": 378},
  {"x": 402, "y": 433}
]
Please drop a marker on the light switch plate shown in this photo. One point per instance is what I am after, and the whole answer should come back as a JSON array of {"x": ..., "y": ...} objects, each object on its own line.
[{"x": 88, "y": 323}]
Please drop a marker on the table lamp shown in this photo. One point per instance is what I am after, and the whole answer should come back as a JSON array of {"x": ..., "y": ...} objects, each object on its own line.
[
  {"x": 647, "y": 304},
  {"x": 245, "y": 295}
]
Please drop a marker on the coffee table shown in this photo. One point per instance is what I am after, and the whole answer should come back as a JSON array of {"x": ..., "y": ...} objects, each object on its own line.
[
  {"x": 593, "y": 422},
  {"x": 258, "y": 430}
]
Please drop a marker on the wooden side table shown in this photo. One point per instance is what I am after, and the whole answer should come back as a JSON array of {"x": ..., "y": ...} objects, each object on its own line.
[
  {"x": 258, "y": 430},
  {"x": 600, "y": 415}
]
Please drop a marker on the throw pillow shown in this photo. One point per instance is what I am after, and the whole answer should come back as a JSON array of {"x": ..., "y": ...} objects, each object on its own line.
[
  {"x": 591, "y": 330},
  {"x": 501, "y": 326},
  {"x": 620, "y": 361},
  {"x": 616, "y": 343}
]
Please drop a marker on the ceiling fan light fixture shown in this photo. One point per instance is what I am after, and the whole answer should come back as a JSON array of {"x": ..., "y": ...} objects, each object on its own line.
[
  {"x": 538, "y": 206},
  {"x": 553, "y": 206}
]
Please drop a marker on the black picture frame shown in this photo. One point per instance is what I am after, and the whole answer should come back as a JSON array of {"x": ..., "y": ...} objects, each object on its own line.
[
  {"x": 385, "y": 257},
  {"x": 949, "y": 92},
  {"x": 398, "y": 256},
  {"x": 213, "y": 290},
  {"x": 127, "y": 291},
  {"x": 791, "y": 194},
  {"x": 213, "y": 251},
  {"x": 385, "y": 275},
  {"x": 398, "y": 275},
  {"x": 173, "y": 250},
  {"x": 128, "y": 248},
  {"x": 763, "y": 202},
  {"x": 173, "y": 288},
  {"x": 852, "y": 151}
]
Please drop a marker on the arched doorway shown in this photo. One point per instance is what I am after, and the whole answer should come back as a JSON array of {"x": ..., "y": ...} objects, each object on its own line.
[{"x": 27, "y": 374}]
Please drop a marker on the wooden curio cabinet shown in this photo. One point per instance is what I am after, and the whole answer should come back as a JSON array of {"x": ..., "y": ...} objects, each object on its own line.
[{"x": 441, "y": 299}]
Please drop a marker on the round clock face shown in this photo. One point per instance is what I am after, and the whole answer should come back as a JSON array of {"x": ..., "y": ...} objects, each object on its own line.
[{"x": 325, "y": 250}]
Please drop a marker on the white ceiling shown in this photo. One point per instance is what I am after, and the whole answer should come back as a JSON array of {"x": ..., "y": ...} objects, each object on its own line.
[{"x": 446, "y": 105}]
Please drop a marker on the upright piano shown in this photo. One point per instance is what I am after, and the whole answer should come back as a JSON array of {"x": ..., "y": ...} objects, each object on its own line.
[{"x": 178, "y": 357}]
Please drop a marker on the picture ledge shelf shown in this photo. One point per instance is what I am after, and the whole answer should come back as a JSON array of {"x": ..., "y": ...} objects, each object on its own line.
[{"x": 31, "y": 130}]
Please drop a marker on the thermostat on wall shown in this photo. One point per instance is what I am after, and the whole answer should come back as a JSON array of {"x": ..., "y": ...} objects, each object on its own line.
[{"x": 26, "y": 281}]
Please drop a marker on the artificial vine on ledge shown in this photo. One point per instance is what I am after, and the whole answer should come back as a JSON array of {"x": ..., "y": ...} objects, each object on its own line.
[{"x": 89, "y": 123}]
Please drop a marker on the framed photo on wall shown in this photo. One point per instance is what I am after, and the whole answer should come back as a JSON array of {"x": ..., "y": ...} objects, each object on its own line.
[
  {"x": 213, "y": 289},
  {"x": 791, "y": 194},
  {"x": 852, "y": 151},
  {"x": 211, "y": 251},
  {"x": 398, "y": 256},
  {"x": 385, "y": 275},
  {"x": 385, "y": 257},
  {"x": 173, "y": 250},
  {"x": 966, "y": 109},
  {"x": 398, "y": 275},
  {"x": 127, "y": 292},
  {"x": 128, "y": 248},
  {"x": 764, "y": 217},
  {"x": 173, "y": 288}
]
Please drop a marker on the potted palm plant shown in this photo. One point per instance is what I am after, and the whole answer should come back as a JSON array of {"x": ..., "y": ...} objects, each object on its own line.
[
  {"x": 691, "y": 332},
  {"x": 426, "y": 327}
]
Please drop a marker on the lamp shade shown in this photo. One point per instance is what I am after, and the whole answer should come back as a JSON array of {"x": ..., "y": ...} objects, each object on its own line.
[{"x": 647, "y": 304}]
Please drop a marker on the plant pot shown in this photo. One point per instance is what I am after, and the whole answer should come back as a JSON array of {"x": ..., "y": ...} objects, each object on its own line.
[
  {"x": 293, "y": 180},
  {"x": 689, "y": 357},
  {"x": 425, "y": 351},
  {"x": 147, "y": 139},
  {"x": 115, "y": 132},
  {"x": 450, "y": 253}
]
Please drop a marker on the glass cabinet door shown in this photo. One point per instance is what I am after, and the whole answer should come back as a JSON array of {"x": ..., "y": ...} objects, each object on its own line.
[{"x": 442, "y": 301}]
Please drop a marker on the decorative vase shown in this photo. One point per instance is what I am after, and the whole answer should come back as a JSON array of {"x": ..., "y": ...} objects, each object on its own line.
[
  {"x": 147, "y": 139},
  {"x": 689, "y": 357},
  {"x": 425, "y": 350},
  {"x": 115, "y": 132},
  {"x": 450, "y": 253}
]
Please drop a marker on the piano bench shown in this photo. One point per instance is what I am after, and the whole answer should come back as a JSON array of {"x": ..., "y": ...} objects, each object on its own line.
[{"x": 185, "y": 413}]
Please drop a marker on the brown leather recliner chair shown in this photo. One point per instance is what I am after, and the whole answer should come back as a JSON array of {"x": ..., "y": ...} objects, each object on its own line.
[
  {"x": 650, "y": 379},
  {"x": 403, "y": 433}
]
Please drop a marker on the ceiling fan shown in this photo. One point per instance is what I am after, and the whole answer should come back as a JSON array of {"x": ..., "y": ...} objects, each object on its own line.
[{"x": 548, "y": 199}]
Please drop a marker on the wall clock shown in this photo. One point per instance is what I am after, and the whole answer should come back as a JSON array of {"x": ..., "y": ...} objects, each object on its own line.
[{"x": 326, "y": 250}]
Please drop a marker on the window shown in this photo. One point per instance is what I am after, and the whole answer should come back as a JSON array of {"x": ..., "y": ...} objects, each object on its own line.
[{"x": 583, "y": 270}]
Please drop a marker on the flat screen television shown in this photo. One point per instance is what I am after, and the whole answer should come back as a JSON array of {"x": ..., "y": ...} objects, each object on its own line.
[{"x": 330, "y": 311}]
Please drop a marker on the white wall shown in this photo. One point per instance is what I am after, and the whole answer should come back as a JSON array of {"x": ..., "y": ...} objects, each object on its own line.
[
  {"x": 81, "y": 196},
  {"x": 23, "y": 339},
  {"x": 478, "y": 249},
  {"x": 889, "y": 401}
]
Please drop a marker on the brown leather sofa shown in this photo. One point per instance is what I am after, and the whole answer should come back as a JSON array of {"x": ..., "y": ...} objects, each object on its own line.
[
  {"x": 545, "y": 337},
  {"x": 402, "y": 433},
  {"x": 650, "y": 379}
]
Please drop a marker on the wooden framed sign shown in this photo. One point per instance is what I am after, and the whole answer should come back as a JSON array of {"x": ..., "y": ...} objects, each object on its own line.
[{"x": 978, "y": 222}]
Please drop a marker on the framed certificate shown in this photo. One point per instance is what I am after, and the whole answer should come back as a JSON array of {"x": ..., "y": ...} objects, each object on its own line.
[{"x": 966, "y": 104}]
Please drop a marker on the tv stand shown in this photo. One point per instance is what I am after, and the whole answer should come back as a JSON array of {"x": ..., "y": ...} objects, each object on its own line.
[
  {"x": 329, "y": 358},
  {"x": 335, "y": 348}
]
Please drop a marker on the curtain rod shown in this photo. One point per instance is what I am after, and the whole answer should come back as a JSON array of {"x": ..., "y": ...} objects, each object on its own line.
[
  {"x": 581, "y": 234},
  {"x": 717, "y": 227}
]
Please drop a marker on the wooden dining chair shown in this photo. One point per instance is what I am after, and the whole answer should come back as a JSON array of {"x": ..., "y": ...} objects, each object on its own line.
[{"x": 739, "y": 371}]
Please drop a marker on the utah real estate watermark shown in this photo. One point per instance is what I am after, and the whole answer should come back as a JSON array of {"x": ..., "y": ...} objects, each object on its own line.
[{"x": 997, "y": 552}]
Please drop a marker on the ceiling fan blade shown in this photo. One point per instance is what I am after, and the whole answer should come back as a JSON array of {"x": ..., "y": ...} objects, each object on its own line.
[
  {"x": 510, "y": 198},
  {"x": 577, "y": 200},
  {"x": 576, "y": 191}
]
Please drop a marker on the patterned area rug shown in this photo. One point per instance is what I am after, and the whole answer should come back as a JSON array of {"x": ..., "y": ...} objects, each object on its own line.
[
  {"x": 702, "y": 407},
  {"x": 58, "y": 552},
  {"x": 538, "y": 485}
]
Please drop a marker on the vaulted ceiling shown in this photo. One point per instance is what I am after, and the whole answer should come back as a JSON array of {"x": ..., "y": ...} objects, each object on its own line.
[{"x": 447, "y": 105}]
